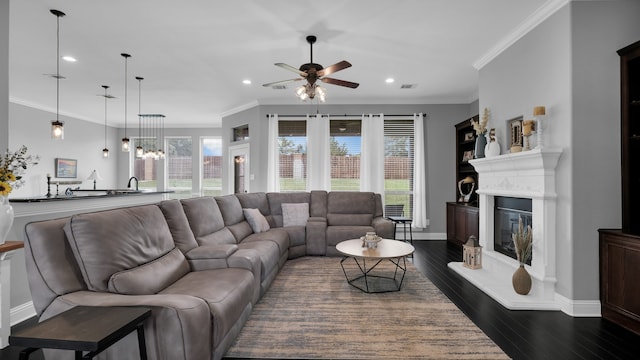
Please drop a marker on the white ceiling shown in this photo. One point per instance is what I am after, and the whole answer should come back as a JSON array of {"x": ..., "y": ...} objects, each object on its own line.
[{"x": 194, "y": 54}]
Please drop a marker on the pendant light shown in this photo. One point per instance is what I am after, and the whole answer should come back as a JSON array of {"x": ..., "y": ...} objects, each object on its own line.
[
  {"x": 57, "y": 126},
  {"x": 139, "y": 149},
  {"x": 125, "y": 139},
  {"x": 105, "y": 151}
]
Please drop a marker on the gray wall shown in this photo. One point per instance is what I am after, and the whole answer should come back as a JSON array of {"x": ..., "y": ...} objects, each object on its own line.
[
  {"x": 568, "y": 64},
  {"x": 598, "y": 29},
  {"x": 439, "y": 144},
  {"x": 4, "y": 75},
  {"x": 83, "y": 141}
]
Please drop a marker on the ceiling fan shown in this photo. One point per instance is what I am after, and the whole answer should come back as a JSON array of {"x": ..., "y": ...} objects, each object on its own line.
[{"x": 313, "y": 72}]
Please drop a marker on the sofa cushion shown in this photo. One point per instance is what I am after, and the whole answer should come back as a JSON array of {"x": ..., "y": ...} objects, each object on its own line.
[
  {"x": 220, "y": 237},
  {"x": 350, "y": 208},
  {"x": 106, "y": 242},
  {"x": 349, "y": 219},
  {"x": 295, "y": 214},
  {"x": 178, "y": 225},
  {"x": 203, "y": 214},
  {"x": 230, "y": 208},
  {"x": 228, "y": 292},
  {"x": 256, "y": 200},
  {"x": 256, "y": 220},
  {"x": 151, "y": 277}
]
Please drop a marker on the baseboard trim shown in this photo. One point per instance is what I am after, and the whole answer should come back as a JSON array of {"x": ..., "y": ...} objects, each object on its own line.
[
  {"x": 22, "y": 312},
  {"x": 429, "y": 236},
  {"x": 579, "y": 308}
]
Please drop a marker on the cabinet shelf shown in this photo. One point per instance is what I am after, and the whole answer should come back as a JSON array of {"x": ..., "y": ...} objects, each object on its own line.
[{"x": 462, "y": 218}]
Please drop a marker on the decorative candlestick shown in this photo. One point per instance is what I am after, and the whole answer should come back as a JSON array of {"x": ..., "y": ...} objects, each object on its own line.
[
  {"x": 527, "y": 128},
  {"x": 48, "y": 185},
  {"x": 539, "y": 112}
]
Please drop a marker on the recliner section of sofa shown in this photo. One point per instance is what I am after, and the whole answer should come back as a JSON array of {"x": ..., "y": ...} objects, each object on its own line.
[{"x": 196, "y": 262}]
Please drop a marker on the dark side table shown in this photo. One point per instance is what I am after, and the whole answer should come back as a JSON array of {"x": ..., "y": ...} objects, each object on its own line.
[
  {"x": 84, "y": 328},
  {"x": 404, "y": 221}
]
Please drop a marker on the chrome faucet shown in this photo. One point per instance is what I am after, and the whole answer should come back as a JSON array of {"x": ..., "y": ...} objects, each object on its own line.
[{"x": 129, "y": 183}]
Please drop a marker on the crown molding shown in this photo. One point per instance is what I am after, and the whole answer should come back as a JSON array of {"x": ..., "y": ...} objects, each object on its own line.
[
  {"x": 536, "y": 18},
  {"x": 37, "y": 106}
]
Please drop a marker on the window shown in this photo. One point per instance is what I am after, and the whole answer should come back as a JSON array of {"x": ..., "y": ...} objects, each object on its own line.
[
  {"x": 345, "y": 137},
  {"x": 144, "y": 169},
  {"x": 292, "y": 145},
  {"x": 179, "y": 166},
  {"x": 241, "y": 133},
  {"x": 398, "y": 166},
  {"x": 211, "y": 166}
]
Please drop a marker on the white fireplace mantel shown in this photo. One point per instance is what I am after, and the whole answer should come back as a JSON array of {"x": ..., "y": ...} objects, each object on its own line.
[{"x": 531, "y": 175}]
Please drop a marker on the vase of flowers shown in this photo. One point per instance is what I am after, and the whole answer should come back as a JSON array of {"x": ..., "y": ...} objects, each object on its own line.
[
  {"x": 480, "y": 128},
  {"x": 523, "y": 243},
  {"x": 12, "y": 167}
]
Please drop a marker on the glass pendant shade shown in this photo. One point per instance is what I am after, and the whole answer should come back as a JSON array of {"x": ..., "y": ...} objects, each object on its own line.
[
  {"x": 57, "y": 130},
  {"x": 105, "y": 153},
  {"x": 125, "y": 144}
]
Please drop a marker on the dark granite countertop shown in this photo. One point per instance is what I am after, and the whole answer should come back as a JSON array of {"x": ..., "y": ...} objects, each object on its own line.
[{"x": 82, "y": 194}]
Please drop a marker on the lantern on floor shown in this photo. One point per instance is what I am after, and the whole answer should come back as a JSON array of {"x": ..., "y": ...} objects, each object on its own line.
[{"x": 472, "y": 253}]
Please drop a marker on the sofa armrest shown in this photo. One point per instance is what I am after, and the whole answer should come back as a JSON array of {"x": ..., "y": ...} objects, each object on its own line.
[
  {"x": 316, "y": 236},
  {"x": 179, "y": 327},
  {"x": 384, "y": 228},
  {"x": 209, "y": 257}
]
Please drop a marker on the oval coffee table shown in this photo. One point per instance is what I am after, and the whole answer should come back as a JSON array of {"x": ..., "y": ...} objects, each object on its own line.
[{"x": 367, "y": 278}]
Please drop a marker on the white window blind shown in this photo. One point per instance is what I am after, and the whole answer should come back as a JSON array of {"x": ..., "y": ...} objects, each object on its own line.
[{"x": 398, "y": 167}]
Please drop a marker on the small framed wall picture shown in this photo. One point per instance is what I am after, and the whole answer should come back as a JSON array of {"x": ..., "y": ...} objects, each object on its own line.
[
  {"x": 66, "y": 168},
  {"x": 468, "y": 137},
  {"x": 467, "y": 155}
]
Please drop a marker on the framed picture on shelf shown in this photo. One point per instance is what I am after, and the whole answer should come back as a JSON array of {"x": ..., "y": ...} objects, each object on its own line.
[
  {"x": 468, "y": 137},
  {"x": 515, "y": 130},
  {"x": 467, "y": 155},
  {"x": 66, "y": 168}
]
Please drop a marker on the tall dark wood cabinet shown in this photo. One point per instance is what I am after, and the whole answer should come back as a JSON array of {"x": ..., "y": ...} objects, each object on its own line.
[
  {"x": 620, "y": 249},
  {"x": 465, "y": 144},
  {"x": 463, "y": 218}
]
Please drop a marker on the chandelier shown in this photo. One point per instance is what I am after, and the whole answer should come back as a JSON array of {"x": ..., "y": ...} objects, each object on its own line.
[
  {"x": 310, "y": 91},
  {"x": 152, "y": 136}
]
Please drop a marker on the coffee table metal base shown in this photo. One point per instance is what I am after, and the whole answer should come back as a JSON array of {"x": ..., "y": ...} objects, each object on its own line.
[{"x": 368, "y": 274}]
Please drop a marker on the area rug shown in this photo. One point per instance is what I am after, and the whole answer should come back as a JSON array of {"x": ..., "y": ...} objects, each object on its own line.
[{"x": 311, "y": 312}]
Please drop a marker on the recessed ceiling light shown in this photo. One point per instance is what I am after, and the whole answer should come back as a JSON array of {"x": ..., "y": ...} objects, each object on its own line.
[
  {"x": 69, "y": 58},
  {"x": 390, "y": 80},
  {"x": 246, "y": 82}
]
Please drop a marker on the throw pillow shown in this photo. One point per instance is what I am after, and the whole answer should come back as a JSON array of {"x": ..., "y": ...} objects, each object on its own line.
[
  {"x": 295, "y": 214},
  {"x": 256, "y": 220}
]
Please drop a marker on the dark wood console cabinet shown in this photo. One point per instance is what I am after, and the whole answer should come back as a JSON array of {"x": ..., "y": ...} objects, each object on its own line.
[
  {"x": 619, "y": 276},
  {"x": 462, "y": 222}
]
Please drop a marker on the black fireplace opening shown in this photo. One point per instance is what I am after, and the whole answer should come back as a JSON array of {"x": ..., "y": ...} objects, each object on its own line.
[{"x": 507, "y": 213}]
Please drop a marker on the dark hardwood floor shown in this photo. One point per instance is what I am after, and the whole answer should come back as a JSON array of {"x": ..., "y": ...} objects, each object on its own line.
[
  {"x": 521, "y": 334},
  {"x": 524, "y": 334}
]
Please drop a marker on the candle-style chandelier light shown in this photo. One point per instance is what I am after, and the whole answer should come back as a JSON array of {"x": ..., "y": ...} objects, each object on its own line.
[{"x": 150, "y": 131}]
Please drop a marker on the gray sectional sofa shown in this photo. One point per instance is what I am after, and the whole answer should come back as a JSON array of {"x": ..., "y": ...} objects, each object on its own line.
[{"x": 201, "y": 264}]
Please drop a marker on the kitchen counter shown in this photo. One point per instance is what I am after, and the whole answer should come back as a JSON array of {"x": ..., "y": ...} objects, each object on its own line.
[{"x": 85, "y": 194}]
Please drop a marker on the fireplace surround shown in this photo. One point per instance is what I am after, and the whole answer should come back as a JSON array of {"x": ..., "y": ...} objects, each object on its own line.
[{"x": 527, "y": 175}]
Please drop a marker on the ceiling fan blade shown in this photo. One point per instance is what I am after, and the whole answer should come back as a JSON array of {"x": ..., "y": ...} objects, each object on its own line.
[
  {"x": 334, "y": 68},
  {"x": 344, "y": 83},
  {"x": 291, "y": 68},
  {"x": 281, "y": 82}
]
